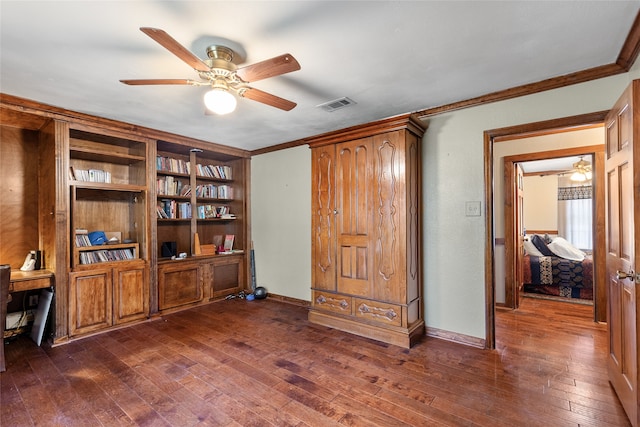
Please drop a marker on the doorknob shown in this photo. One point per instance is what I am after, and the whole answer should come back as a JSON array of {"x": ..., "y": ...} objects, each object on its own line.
[{"x": 621, "y": 275}]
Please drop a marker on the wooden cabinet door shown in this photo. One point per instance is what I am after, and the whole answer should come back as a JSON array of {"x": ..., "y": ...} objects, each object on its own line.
[
  {"x": 179, "y": 283},
  {"x": 131, "y": 294},
  {"x": 226, "y": 276},
  {"x": 90, "y": 301},
  {"x": 323, "y": 195},
  {"x": 389, "y": 230},
  {"x": 354, "y": 218},
  {"x": 623, "y": 248}
]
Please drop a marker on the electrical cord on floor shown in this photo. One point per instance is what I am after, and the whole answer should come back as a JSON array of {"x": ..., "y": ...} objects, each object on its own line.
[{"x": 239, "y": 295}]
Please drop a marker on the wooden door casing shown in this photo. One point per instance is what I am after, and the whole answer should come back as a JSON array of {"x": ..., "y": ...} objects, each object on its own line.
[{"x": 621, "y": 228}]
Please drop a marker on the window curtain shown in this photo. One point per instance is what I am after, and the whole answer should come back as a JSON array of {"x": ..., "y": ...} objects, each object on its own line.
[{"x": 575, "y": 215}]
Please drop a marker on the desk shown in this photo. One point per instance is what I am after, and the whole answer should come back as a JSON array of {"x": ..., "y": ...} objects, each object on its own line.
[{"x": 30, "y": 280}]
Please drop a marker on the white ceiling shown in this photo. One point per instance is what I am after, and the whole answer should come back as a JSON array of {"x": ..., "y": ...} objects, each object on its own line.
[
  {"x": 390, "y": 57},
  {"x": 548, "y": 165}
]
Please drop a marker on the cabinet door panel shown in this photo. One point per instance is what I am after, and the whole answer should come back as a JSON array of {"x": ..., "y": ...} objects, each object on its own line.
[
  {"x": 389, "y": 229},
  {"x": 179, "y": 284},
  {"x": 323, "y": 255},
  {"x": 354, "y": 195},
  {"x": 90, "y": 301},
  {"x": 131, "y": 294},
  {"x": 226, "y": 277}
]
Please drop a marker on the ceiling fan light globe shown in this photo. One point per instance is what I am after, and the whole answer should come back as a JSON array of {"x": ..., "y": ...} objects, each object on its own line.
[
  {"x": 578, "y": 176},
  {"x": 219, "y": 101}
]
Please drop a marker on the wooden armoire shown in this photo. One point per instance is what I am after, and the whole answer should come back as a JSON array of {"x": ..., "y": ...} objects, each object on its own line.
[{"x": 367, "y": 232}]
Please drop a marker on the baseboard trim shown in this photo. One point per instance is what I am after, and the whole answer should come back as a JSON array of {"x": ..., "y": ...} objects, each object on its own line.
[
  {"x": 290, "y": 300},
  {"x": 455, "y": 337}
]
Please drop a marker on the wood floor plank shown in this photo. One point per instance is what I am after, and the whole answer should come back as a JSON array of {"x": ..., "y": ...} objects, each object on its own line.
[{"x": 261, "y": 363}]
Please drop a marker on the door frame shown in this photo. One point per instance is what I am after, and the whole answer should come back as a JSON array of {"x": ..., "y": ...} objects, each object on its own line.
[
  {"x": 490, "y": 136},
  {"x": 597, "y": 223}
]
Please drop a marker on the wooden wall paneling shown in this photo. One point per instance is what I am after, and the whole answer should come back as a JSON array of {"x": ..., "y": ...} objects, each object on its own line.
[{"x": 19, "y": 208}]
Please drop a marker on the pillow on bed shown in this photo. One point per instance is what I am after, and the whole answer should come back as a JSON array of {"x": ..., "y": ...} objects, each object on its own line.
[
  {"x": 566, "y": 250},
  {"x": 530, "y": 248},
  {"x": 539, "y": 243}
]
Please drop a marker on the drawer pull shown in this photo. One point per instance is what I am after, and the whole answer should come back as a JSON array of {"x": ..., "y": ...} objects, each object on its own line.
[{"x": 387, "y": 313}]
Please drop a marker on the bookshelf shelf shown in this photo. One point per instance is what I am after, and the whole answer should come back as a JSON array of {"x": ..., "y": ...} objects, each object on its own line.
[
  {"x": 104, "y": 156},
  {"x": 103, "y": 186},
  {"x": 175, "y": 174},
  {"x": 88, "y": 255}
]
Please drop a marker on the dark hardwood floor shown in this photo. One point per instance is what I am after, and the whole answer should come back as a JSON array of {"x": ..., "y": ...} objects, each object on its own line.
[{"x": 260, "y": 363}]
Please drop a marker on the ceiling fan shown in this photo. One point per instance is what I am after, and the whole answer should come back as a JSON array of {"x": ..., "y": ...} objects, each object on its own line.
[
  {"x": 223, "y": 76},
  {"x": 581, "y": 171}
]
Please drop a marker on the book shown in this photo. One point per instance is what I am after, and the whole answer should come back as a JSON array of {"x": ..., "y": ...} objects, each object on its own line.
[{"x": 228, "y": 242}]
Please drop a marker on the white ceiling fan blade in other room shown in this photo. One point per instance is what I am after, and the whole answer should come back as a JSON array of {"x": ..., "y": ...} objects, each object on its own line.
[{"x": 266, "y": 98}]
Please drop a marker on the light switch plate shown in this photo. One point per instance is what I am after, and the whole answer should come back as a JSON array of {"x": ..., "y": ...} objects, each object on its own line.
[{"x": 472, "y": 208}]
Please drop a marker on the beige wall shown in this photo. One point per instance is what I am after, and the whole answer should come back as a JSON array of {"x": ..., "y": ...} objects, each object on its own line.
[
  {"x": 540, "y": 202},
  {"x": 281, "y": 221},
  {"x": 453, "y": 173}
]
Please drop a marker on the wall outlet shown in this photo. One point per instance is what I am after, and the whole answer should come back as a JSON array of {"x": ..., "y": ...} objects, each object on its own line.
[
  {"x": 472, "y": 208},
  {"x": 33, "y": 300}
]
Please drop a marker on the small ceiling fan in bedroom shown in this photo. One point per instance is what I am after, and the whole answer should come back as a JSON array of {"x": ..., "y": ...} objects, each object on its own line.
[
  {"x": 581, "y": 171},
  {"x": 223, "y": 76}
]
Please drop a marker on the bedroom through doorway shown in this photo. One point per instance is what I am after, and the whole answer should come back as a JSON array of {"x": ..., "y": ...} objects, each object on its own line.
[
  {"x": 547, "y": 253},
  {"x": 557, "y": 229}
]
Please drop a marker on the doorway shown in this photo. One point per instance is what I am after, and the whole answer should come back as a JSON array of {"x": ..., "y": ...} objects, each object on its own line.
[
  {"x": 586, "y": 270},
  {"x": 496, "y": 241}
]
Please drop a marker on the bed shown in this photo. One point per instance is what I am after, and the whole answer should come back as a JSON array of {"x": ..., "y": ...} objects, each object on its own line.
[{"x": 547, "y": 273}]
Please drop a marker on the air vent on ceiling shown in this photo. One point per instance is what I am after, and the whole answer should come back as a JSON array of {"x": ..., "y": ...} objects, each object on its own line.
[{"x": 337, "y": 104}]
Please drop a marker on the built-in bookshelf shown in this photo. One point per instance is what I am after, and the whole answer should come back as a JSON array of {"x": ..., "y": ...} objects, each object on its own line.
[
  {"x": 96, "y": 174},
  {"x": 109, "y": 222},
  {"x": 213, "y": 185},
  {"x": 107, "y": 181},
  {"x": 195, "y": 193}
]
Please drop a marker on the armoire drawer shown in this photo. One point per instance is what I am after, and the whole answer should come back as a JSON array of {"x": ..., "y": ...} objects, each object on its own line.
[
  {"x": 380, "y": 312},
  {"x": 332, "y": 302}
]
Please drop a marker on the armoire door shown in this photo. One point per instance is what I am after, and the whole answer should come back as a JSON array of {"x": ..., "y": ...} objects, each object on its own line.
[
  {"x": 354, "y": 216},
  {"x": 323, "y": 213},
  {"x": 623, "y": 250}
]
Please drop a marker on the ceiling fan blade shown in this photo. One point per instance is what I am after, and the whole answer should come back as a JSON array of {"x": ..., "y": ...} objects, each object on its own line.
[
  {"x": 267, "y": 98},
  {"x": 270, "y": 68},
  {"x": 176, "y": 48},
  {"x": 136, "y": 82}
]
